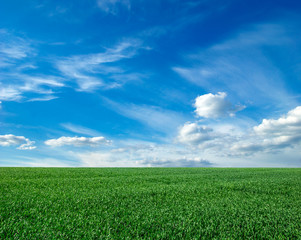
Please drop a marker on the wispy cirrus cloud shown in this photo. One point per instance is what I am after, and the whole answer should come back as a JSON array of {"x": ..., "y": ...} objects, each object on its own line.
[
  {"x": 113, "y": 6},
  {"x": 15, "y": 86},
  {"x": 9, "y": 93},
  {"x": 80, "y": 129},
  {"x": 88, "y": 71},
  {"x": 97, "y": 70},
  {"x": 17, "y": 56},
  {"x": 13, "y": 48},
  {"x": 154, "y": 117},
  {"x": 244, "y": 65}
]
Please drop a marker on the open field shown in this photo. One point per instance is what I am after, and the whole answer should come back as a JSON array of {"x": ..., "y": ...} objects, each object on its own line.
[{"x": 153, "y": 203}]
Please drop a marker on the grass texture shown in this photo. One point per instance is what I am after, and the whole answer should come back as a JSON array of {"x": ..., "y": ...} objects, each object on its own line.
[{"x": 150, "y": 203}]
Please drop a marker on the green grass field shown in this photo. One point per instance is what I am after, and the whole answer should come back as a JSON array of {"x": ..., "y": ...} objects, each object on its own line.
[{"x": 150, "y": 203}]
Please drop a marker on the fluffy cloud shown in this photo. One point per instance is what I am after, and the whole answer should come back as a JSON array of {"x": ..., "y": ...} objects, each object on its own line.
[
  {"x": 192, "y": 133},
  {"x": 215, "y": 106},
  {"x": 282, "y": 132},
  {"x": 77, "y": 141},
  {"x": 12, "y": 140},
  {"x": 285, "y": 126},
  {"x": 273, "y": 134},
  {"x": 270, "y": 136}
]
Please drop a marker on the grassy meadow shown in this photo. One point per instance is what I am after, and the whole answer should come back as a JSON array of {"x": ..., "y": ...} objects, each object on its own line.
[{"x": 150, "y": 203}]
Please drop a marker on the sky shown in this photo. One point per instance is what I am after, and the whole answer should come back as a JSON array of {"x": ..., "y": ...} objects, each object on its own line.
[{"x": 160, "y": 83}]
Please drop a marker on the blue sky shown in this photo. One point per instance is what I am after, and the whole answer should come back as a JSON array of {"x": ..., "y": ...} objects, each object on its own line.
[{"x": 107, "y": 83}]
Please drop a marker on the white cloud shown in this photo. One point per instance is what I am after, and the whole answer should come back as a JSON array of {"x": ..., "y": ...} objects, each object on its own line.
[
  {"x": 237, "y": 139},
  {"x": 147, "y": 154},
  {"x": 77, "y": 141},
  {"x": 83, "y": 72},
  {"x": 9, "y": 93},
  {"x": 16, "y": 56},
  {"x": 91, "y": 71},
  {"x": 157, "y": 118},
  {"x": 80, "y": 129},
  {"x": 12, "y": 140},
  {"x": 282, "y": 132},
  {"x": 27, "y": 146},
  {"x": 286, "y": 125},
  {"x": 245, "y": 65},
  {"x": 103, "y": 159},
  {"x": 229, "y": 140},
  {"x": 215, "y": 106},
  {"x": 112, "y": 6},
  {"x": 43, "y": 99},
  {"x": 43, "y": 86},
  {"x": 13, "y": 48},
  {"x": 273, "y": 134},
  {"x": 192, "y": 133}
]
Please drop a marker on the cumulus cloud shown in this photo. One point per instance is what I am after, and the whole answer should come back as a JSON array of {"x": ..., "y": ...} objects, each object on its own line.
[
  {"x": 12, "y": 140},
  {"x": 288, "y": 125},
  {"x": 273, "y": 134},
  {"x": 215, "y": 106},
  {"x": 77, "y": 141},
  {"x": 281, "y": 132},
  {"x": 192, "y": 133}
]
